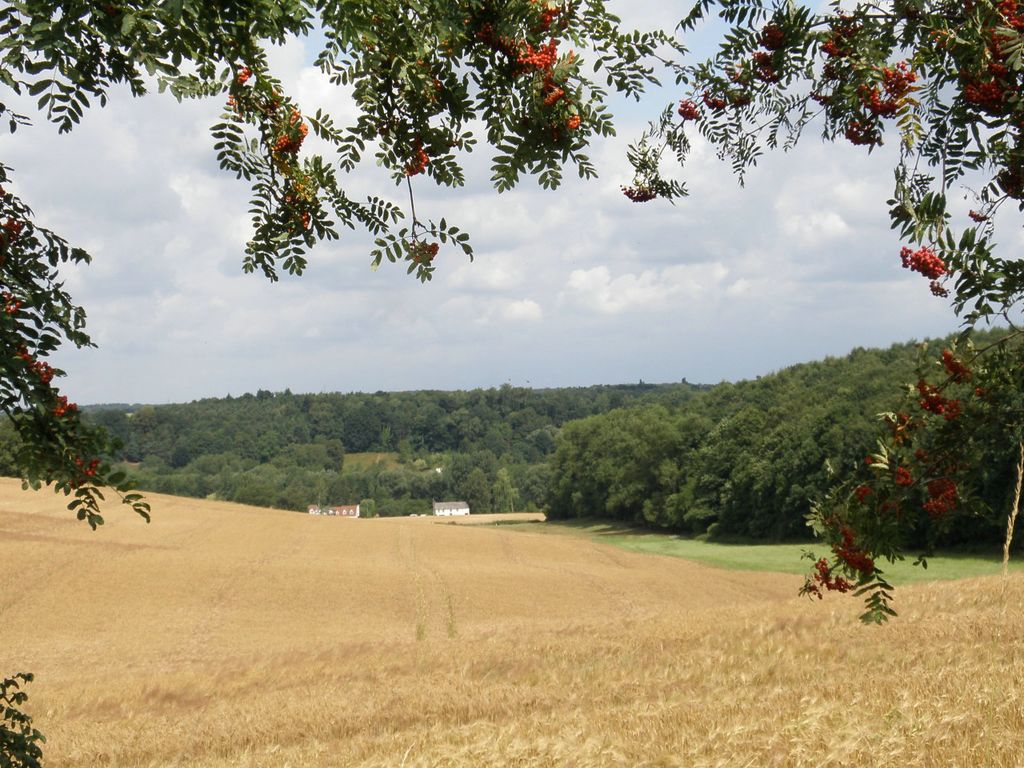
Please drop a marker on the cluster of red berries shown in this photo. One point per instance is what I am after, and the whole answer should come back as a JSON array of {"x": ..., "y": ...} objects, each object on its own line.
[
  {"x": 540, "y": 61},
  {"x": 13, "y": 228},
  {"x": 766, "y": 63},
  {"x": 955, "y": 367},
  {"x": 862, "y": 492},
  {"x": 88, "y": 469},
  {"x": 977, "y": 217},
  {"x": 772, "y": 37},
  {"x": 419, "y": 161},
  {"x": 764, "y": 67},
  {"x": 422, "y": 252},
  {"x": 243, "y": 76},
  {"x": 288, "y": 143},
  {"x": 822, "y": 577},
  {"x": 552, "y": 92},
  {"x": 716, "y": 103},
  {"x": 942, "y": 493},
  {"x": 1011, "y": 12},
  {"x": 883, "y": 100},
  {"x": 851, "y": 554},
  {"x": 739, "y": 98},
  {"x": 923, "y": 260},
  {"x": 688, "y": 110},
  {"x": 496, "y": 42},
  {"x": 903, "y": 477},
  {"x": 862, "y": 133},
  {"x": 932, "y": 401},
  {"x": 63, "y": 407},
  {"x": 11, "y": 304},
  {"x": 897, "y": 83},
  {"x": 994, "y": 89},
  {"x": 639, "y": 193},
  {"x": 928, "y": 263},
  {"x": 822, "y": 98},
  {"x": 43, "y": 370},
  {"x": 543, "y": 58},
  {"x": 843, "y": 29},
  {"x": 987, "y": 95},
  {"x": 548, "y": 15},
  {"x": 1011, "y": 180}
]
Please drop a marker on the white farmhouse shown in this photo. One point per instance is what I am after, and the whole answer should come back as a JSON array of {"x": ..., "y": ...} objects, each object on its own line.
[
  {"x": 346, "y": 510},
  {"x": 450, "y": 508}
]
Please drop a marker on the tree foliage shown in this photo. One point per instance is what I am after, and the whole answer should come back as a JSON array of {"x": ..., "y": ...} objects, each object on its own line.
[
  {"x": 19, "y": 740},
  {"x": 745, "y": 460},
  {"x": 421, "y": 75},
  {"x": 942, "y": 78}
]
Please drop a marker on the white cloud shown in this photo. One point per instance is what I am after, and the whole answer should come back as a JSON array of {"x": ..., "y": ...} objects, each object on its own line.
[
  {"x": 524, "y": 310},
  {"x": 493, "y": 272},
  {"x": 814, "y": 228},
  {"x": 569, "y": 287},
  {"x": 650, "y": 290}
]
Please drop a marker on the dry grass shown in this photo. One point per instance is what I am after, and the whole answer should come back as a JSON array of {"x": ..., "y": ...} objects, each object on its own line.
[
  {"x": 225, "y": 636},
  {"x": 363, "y": 461}
]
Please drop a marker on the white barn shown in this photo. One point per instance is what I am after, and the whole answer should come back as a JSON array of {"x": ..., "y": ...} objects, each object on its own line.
[{"x": 450, "y": 508}]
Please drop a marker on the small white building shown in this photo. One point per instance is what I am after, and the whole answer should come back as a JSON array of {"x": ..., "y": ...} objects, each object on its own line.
[
  {"x": 450, "y": 508},
  {"x": 350, "y": 510}
]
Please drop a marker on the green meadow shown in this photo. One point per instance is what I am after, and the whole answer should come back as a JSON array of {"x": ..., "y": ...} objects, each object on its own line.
[{"x": 778, "y": 558}]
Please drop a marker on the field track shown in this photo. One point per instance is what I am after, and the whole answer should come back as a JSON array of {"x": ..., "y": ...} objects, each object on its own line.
[{"x": 223, "y": 635}]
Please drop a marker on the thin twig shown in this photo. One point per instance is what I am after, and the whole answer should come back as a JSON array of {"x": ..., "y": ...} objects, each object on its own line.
[{"x": 412, "y": 204}]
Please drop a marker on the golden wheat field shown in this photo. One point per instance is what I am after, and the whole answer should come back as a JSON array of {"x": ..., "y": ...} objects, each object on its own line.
[{"x": 223, "y": 635}]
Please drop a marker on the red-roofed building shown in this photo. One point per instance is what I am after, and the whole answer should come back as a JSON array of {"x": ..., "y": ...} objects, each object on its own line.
[{"x": 349, "y": 510}]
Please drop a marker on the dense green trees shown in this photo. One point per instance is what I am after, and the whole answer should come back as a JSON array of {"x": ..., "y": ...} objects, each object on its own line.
[
  {"x": 735, "y": 460},
  {"x": 488, "y": 447},
  {"x": 746, "y": 460},
  {"x": 507, "y": 420}
]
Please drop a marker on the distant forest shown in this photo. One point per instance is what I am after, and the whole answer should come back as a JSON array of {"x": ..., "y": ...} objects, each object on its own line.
[
  {"x": 733, "y": 460},
  {"x": 393, "y": 452}
]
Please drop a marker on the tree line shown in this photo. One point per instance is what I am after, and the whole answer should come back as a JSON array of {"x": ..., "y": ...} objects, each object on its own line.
[
  {"x": 733, "y": 460},
  {"x": 747, "y": 460},
  {"x": 489, "y": 447}
]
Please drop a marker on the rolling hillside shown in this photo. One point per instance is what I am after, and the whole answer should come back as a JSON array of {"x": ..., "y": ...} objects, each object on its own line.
[{"x": 223, "y": 635}]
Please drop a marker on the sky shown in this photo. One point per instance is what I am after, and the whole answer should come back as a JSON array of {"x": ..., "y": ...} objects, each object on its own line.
[{"x": 573, "y": 287}]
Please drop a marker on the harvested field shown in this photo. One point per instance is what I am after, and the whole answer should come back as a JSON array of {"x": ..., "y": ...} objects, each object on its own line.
[{"x": 223, "y": 635}]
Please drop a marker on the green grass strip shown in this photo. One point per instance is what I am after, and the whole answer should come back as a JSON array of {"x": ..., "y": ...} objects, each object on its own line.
[{"x": 778, "y": 558}]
